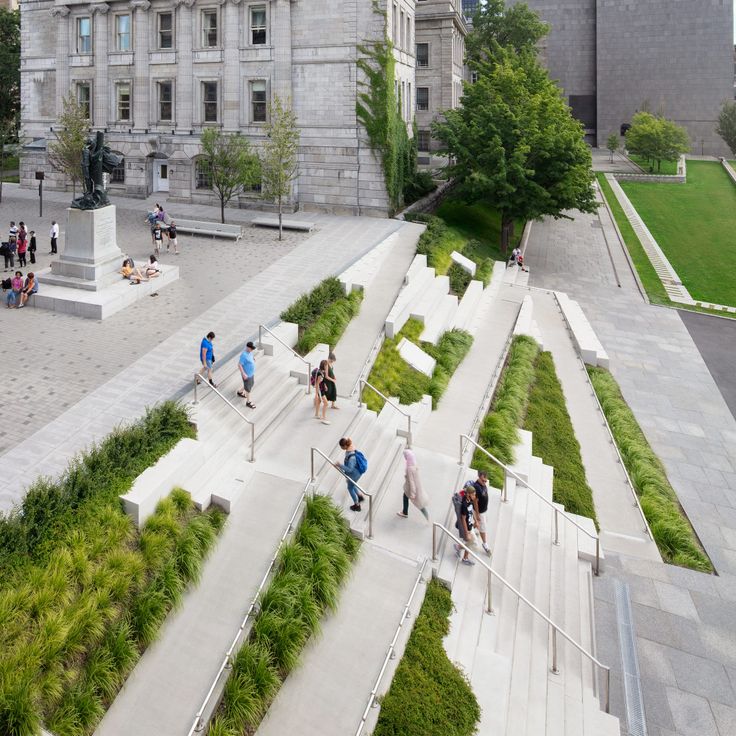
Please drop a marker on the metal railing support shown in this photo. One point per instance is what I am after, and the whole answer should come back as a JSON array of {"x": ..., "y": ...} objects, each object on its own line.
[
  {"x": 261, "y": 328},
  {"x": 489, "y": 602},
  {"x": 363, "y": 383},
  {"x": 369, "y": 496},
  {"x": 555, "y": 668}
]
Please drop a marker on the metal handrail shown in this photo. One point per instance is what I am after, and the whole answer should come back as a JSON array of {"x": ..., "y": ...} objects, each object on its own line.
[
  {"x": 199, "y": 380},
  {"x": 288, "y": 347},
  {"x": 363, "y": 383},
  {"x": 391, "y": 653},
  {"x": 557, "y": 511},
  {"x": 553, "y": 626},
  {"x": 347, "y": 477},
  {"x": 198, "y": 725}
]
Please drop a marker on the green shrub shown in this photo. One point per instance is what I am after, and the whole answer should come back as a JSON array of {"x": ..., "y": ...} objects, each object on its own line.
[
  {"x": 459, "y": 279},
  {"x": 670, "y": 526},
  {"x": 307, "y": 308},
  {"x": 554, "y": 440},
  {"x": 429, "y": 696},
  {"x": 331, "y": 324},
  {"x": 418, "y": 186}
]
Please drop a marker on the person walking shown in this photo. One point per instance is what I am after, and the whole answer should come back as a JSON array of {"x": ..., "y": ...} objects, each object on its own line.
[
  {"x": 158, "y": 239},
  {"x": 54, "y": 235},
  {"x": 481, "y": 496},
  {"x": 354, "y": 465},
  {"x": 413, "y": 490},
  {"x": 321, "y": 384},
  {"x": 207, "y": 357},
  {"x": 247, "y": 366},
  {"x": 172, "y": 240},
  {"x": 32, "y": 246},
  {"x": 466, "y": 510}
]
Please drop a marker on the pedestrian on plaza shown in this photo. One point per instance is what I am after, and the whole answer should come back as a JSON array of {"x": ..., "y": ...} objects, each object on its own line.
[
  {"x": 54, "y": 235},
  {"x": 5, "y": 252},
  {"x": 13, "y": 296},
  {"x": 29, "y": 289},
  {"x": 467, "y": 513},
  {"x": 207, "y": 357},
  {"x": 413, "y": 490},
  {"x": 32, "y": 246},
  {"x": 247, "y": 366},
  {"x": 13, "y": 233},
  {"x": 320, "y": 382},
  {"x": 158, "y": 238},
  {"x": 354, "y": 465},
  {"x": 22, "y": 244},
  {"x": 481, "y": 497},
  {"x": 172, "y": 238},
  {"x": 8, "y": 250},
  {"x": 331, "y": 382}
]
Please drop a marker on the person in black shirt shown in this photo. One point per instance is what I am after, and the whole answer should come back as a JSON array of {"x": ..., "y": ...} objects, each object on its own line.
[{"x": 481, "y": 495}]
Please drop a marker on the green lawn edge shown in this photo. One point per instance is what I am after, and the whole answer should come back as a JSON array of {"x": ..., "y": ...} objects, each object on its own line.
[
  {"x": 671, "y": 529},
  {"x": 429, "y": 695}
]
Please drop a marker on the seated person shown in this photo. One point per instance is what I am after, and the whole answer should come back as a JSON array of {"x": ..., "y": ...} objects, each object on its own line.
[
  {"x": 515, "y": 255},
  {"x": 30, "y": 288},
  {"x": 134, "y": 275},
  {"x": 152, "y": 269},
  {"x": 14, "y": 287}
]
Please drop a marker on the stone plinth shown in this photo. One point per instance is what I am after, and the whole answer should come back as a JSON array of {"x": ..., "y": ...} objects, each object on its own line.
[{"x": 91, "y": 257}]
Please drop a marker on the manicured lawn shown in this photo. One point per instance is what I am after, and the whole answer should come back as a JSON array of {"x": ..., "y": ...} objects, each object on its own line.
[
  {"x": 694, "y": 224},
  {"x": 667, "y": 168}
]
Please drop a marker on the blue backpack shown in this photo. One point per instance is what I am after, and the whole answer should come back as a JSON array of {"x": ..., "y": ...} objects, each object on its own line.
[{"x": 361, "y": 463}]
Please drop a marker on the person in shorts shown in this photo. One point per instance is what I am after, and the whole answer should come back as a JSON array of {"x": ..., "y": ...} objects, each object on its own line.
[
  {"x": 247, "y": 366},
  {"x": 158, "y": 238},
  {"x": 481, "y": 497},
  {"x": 172, "y": 241},
  {"x": 207, "y": 357}
]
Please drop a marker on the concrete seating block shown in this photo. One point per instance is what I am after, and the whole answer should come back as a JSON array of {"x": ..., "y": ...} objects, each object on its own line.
[
  {"x": 401, "y": 310},
  {"x": 288, "y": 332},
  {"x": 465, "y": 263},
  {"x": 523, "y": 324},
  {"x": 315, "y": 356},
  {"x": 417, "y": 265},
  {"x": 416, "y": 357},
  {"x": 215, "y": 229},
  {"x": 586, "y": 544},
  {"x": 429, "y": 301},
  {"x": 287, "y": 224},
  {"x": 523, "y": 454}
]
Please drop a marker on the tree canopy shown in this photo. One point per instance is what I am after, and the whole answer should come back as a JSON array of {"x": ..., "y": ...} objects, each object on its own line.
[
  {"x": 727, "y": 125},
  {"x": 656, "y": 138},
  {"x": 10, "y": 66},
  {"x": 65, "y": 153}
]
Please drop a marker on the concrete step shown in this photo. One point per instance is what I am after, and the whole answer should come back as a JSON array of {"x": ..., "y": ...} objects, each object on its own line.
[
  {"x": 441, "y": 320},
  {"x": 430, "y": 300},
  {"x": 523, "y": 455},
  {"x": 421, "y": 280},
  {"x": 463, "y": 317}
]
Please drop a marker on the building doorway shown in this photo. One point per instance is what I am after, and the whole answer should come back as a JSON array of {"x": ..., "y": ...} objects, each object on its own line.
[{"x": 160, "y": 176}]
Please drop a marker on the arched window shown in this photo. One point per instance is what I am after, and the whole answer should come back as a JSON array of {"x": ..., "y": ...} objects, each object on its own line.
[
  {"x": 202, "y": 175},
  {"x": 118, "y": 173}
]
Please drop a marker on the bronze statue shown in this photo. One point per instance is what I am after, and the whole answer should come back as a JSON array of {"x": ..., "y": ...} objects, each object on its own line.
[{"x": 97, "y": 158}]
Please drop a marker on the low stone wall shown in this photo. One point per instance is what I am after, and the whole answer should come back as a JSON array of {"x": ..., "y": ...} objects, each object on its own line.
[
  {"x": 729, "y": 169},
  {"x": 428, "y": 203},
  {"x": 679, "y": 178}
]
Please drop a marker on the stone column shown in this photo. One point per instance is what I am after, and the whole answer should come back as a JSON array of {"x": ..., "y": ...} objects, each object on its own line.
[
  {"x": 60, "y": 13},
  {"x": 141, "y": 82},
  {"x": 230, "y": 18},
  {"x": 100, "y": 87},
  {"x": 184, "y": 83}
]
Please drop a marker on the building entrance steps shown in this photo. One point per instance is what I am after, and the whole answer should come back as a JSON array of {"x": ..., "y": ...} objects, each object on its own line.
[
  {"x": 162, "y": 694},
  {"x": 328, "y": 693},
  {"x": 622, "y": 527}
]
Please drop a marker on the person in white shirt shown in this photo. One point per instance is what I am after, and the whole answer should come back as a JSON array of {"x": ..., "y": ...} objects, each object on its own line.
[
  {"x": 54, "y": 235},
  {"x": 515, "y": 253}
]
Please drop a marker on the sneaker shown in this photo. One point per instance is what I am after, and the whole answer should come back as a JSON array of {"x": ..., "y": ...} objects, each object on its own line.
[
  {"x": 213, "y": 384},
  {"x": 250, "y": 404},
  {"x": 362, "y": 498},
  {"x": 402, "y": 514},
  {"x": 468, "y": 561},
  {"x": 357, "y": 507},
  {"x": 486, "y": 549},
  {"x": 325, "y": 421}
]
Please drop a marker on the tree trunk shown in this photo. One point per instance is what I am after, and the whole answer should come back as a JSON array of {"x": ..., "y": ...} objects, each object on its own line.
[
  {"x": 222, "y": 210},
  {"x": 507, "y": 230},
  {"x": 281, "y": 227}
]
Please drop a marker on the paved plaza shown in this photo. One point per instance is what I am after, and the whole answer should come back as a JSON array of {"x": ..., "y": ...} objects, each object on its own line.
[{"x": 684, "y": 621}]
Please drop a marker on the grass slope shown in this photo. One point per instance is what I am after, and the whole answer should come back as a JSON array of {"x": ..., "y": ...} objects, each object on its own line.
[
  {"x": 429, "y": 696},
  {"x": 694, "y": 225},
  {"x": 307, "y": 582},
  {"x": 670, "y": 526}
]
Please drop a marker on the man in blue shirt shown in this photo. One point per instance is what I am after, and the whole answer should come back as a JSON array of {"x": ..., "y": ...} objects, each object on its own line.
[
  {"x": 207, "y": 357},
  {"x": 247, "y": 366}
]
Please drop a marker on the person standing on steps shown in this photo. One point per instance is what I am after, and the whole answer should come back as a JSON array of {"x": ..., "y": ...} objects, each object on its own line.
[
  {"x": 54, "y": 235},
  {"x": 354, "y": 466},
  {"x": 331, "y": 382},
  {"x": 321, "y": 383},
  {"x": 247, "y": 366},
  {"x": 413, "y": 490},
  {"x": 481, "y": 496},
  {"x": 467, "y": 513},
  {"x": 207, "y": 357}
]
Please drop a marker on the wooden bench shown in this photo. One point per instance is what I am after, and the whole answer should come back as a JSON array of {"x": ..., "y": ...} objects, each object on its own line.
[
  {"x": 302, "y": 225},
  {"x": 215, "y": 229}
]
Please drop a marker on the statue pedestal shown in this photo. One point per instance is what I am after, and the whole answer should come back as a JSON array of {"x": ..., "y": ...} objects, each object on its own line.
[{"x": 91, "y": 257}]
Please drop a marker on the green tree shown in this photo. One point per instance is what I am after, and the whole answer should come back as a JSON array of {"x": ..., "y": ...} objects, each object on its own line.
[
  {"x": 656, "y": 139},
  {"x": 726, "y": 127},
  {"x": 9, "y": 65},
  {"x": 280, "y": 155},
  {"x": 65, "y": 153},
  {"x": 513, "y": 143},
  {"x": 230, "y": 163},
  {"x": 612, "y": 144}
]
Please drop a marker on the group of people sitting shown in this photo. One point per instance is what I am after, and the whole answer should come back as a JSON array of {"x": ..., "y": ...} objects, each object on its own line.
[
  {"x": 517, "y": 259},
  {"x": 136, "y": 275},
  {"x": 17, "y": 291}
]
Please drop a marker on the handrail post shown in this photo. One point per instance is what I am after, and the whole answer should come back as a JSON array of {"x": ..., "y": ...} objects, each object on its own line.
[
  {"x": 309, "y": 378},
  {"x": 408, "y": 437},
  {"x": 434, "y": 542},
  {"x": 252, "y": 442},
  {"x": 196, "y": 383},
  {"x": 504, "y": 490},
  {"x": 361, "y": 386},
  {"x": 557, "y": 528},
  {"x": 312, "y": 473},
  {"x": 489, "y": 608},
  {"x": 607, "y": 700},
  {"x": 260, "y": 337},
  {"x": 460, "y": 457},
  {"x": 370, "y": 516},
  {"x": 555, "y": 669},
  {"x": 597, "y": 556}
]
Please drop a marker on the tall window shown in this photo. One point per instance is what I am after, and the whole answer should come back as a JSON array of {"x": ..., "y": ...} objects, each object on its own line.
[
  {"x": 165, "y": 101},
  {"x": 209, "y": 101},
  {"x": 258, "y": 25},
  {"x": 209, "y": 28},
  {"x": 258, "y": 101},
  {"x": 117, "y": 175},
  {"x": 422, "y": 54},
  {"x": 122, "y": 94},
  {"x": 84, "y": 97},
  {"x": 202, "y": 175},
  {"x": 122, "y": 33},
  {"x": 423, "y": 138},
  {"x": 422, "y": 98},
  {"x": 166, "y": 30},
  {"x": 84, "y": 36},
  {"x": 396, "y": 25},
  {"x": 401, "y": 44}
]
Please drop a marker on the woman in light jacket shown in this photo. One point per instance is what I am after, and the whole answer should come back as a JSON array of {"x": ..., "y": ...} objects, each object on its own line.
[{"x": 413, "y": 490}]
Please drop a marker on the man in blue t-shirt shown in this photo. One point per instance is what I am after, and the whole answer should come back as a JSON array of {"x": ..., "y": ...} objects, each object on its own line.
[
  {"x": 247, "y": 366},
  {"x": 207, "y": 357}
]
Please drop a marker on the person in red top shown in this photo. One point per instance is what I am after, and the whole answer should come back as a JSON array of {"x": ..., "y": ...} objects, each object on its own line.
[{"x": 22, "y": 243}]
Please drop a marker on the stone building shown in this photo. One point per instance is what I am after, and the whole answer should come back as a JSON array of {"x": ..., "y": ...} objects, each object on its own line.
[
  {"x": 154, "y": 73},
  {"x": 614, "y": 57}
]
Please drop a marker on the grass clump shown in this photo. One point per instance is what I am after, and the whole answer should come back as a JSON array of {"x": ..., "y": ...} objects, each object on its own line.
[
  {"x": 429, "y": 696},
  {"x": 78, "y": 621},
  {"x": 393, "y": 376},
  {"x": 322, "y": 314},
  {"x": 554, "y": 440},
  {"x": 499, "y": 432},
  {"x": 310, "y": 569},
  {"x": 671, "y": 529}
]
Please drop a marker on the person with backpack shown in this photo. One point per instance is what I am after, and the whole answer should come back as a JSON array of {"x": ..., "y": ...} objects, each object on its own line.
[
  {"x": 413, "y": 490},
  {"x": 481, "y": 496},
  {"x": 354, "y": 466},
  {"x": 319, "y": 380},
  {"x": 464, "y": 502}
]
